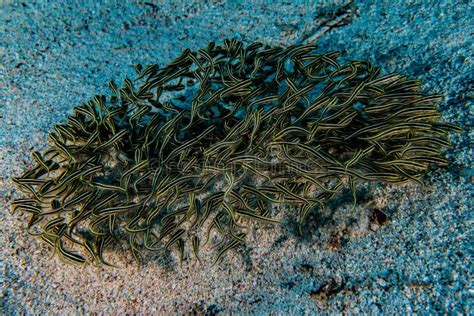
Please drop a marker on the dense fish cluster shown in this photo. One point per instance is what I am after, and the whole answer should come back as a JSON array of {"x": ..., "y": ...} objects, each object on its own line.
[{"x": 198, "y": 150}]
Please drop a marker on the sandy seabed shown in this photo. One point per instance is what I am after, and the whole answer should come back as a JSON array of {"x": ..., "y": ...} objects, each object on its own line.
[{"x": 55, "y": 56}]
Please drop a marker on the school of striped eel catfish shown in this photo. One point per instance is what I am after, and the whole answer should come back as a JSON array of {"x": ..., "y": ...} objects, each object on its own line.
[{"x": 203, "y": 148}]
